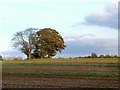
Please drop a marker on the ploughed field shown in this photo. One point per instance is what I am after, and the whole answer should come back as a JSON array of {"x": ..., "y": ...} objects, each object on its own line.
[{"x": 61, "y": 73}]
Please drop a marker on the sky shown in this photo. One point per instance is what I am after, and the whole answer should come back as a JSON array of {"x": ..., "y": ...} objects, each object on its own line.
[{"x": 87, "y": 26}]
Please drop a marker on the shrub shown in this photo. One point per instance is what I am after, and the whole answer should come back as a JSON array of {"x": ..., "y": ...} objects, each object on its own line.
[{"x": 101, "y": 56}]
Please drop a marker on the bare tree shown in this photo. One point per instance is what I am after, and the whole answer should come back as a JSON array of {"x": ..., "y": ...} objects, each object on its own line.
[{"x": 25, "y": 41}]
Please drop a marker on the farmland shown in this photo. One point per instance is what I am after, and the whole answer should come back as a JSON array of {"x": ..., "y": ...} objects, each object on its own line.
[{"x": 61, "y": 73}]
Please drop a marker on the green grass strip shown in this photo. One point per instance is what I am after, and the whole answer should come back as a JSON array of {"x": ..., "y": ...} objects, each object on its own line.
[
  {"x": 61, "y": 74},
  {"x": 62, "y": 64}
]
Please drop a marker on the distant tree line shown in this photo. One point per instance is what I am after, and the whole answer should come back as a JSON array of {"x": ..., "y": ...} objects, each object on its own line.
[
  {"x": 94, "y": 55},
  {"x": 38, "y": 43}
]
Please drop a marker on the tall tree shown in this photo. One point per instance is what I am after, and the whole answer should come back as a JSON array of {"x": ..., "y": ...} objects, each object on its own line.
[
  {"x": 50, "y": 42},
  {"x": 25, "y": 40}
]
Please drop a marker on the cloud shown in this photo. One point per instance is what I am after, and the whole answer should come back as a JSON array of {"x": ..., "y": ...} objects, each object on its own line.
[
  {"x": 87, "y": 46},
  {"x": 78, "y": 37},
  {"x": 108, "y": 17}
]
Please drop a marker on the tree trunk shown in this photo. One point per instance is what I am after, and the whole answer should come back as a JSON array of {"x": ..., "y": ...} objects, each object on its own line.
[
  {"x": 29, "y": 56},
  {"x": 49, "y": 56}
]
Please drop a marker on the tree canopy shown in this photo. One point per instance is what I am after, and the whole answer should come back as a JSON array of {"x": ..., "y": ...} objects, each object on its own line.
[{"x": 49, "y": 41}]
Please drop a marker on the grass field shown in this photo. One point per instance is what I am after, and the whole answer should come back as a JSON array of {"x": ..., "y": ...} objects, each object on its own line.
[{"x": 52, "y": 73}]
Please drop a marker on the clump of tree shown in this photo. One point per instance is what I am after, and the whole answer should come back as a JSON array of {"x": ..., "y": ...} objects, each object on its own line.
[
  {"x": 94, "y": 55},
  {"x": 101, "y": 56},
  {"x": 108, "y": 56},
  {"x": 39, "y": 43}
]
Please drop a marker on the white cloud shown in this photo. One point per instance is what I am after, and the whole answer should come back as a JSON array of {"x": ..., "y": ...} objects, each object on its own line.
[{"x": 78, "y": 37}]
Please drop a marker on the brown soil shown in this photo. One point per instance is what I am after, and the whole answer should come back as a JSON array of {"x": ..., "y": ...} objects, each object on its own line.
[{"x": 38, "y": 82}]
